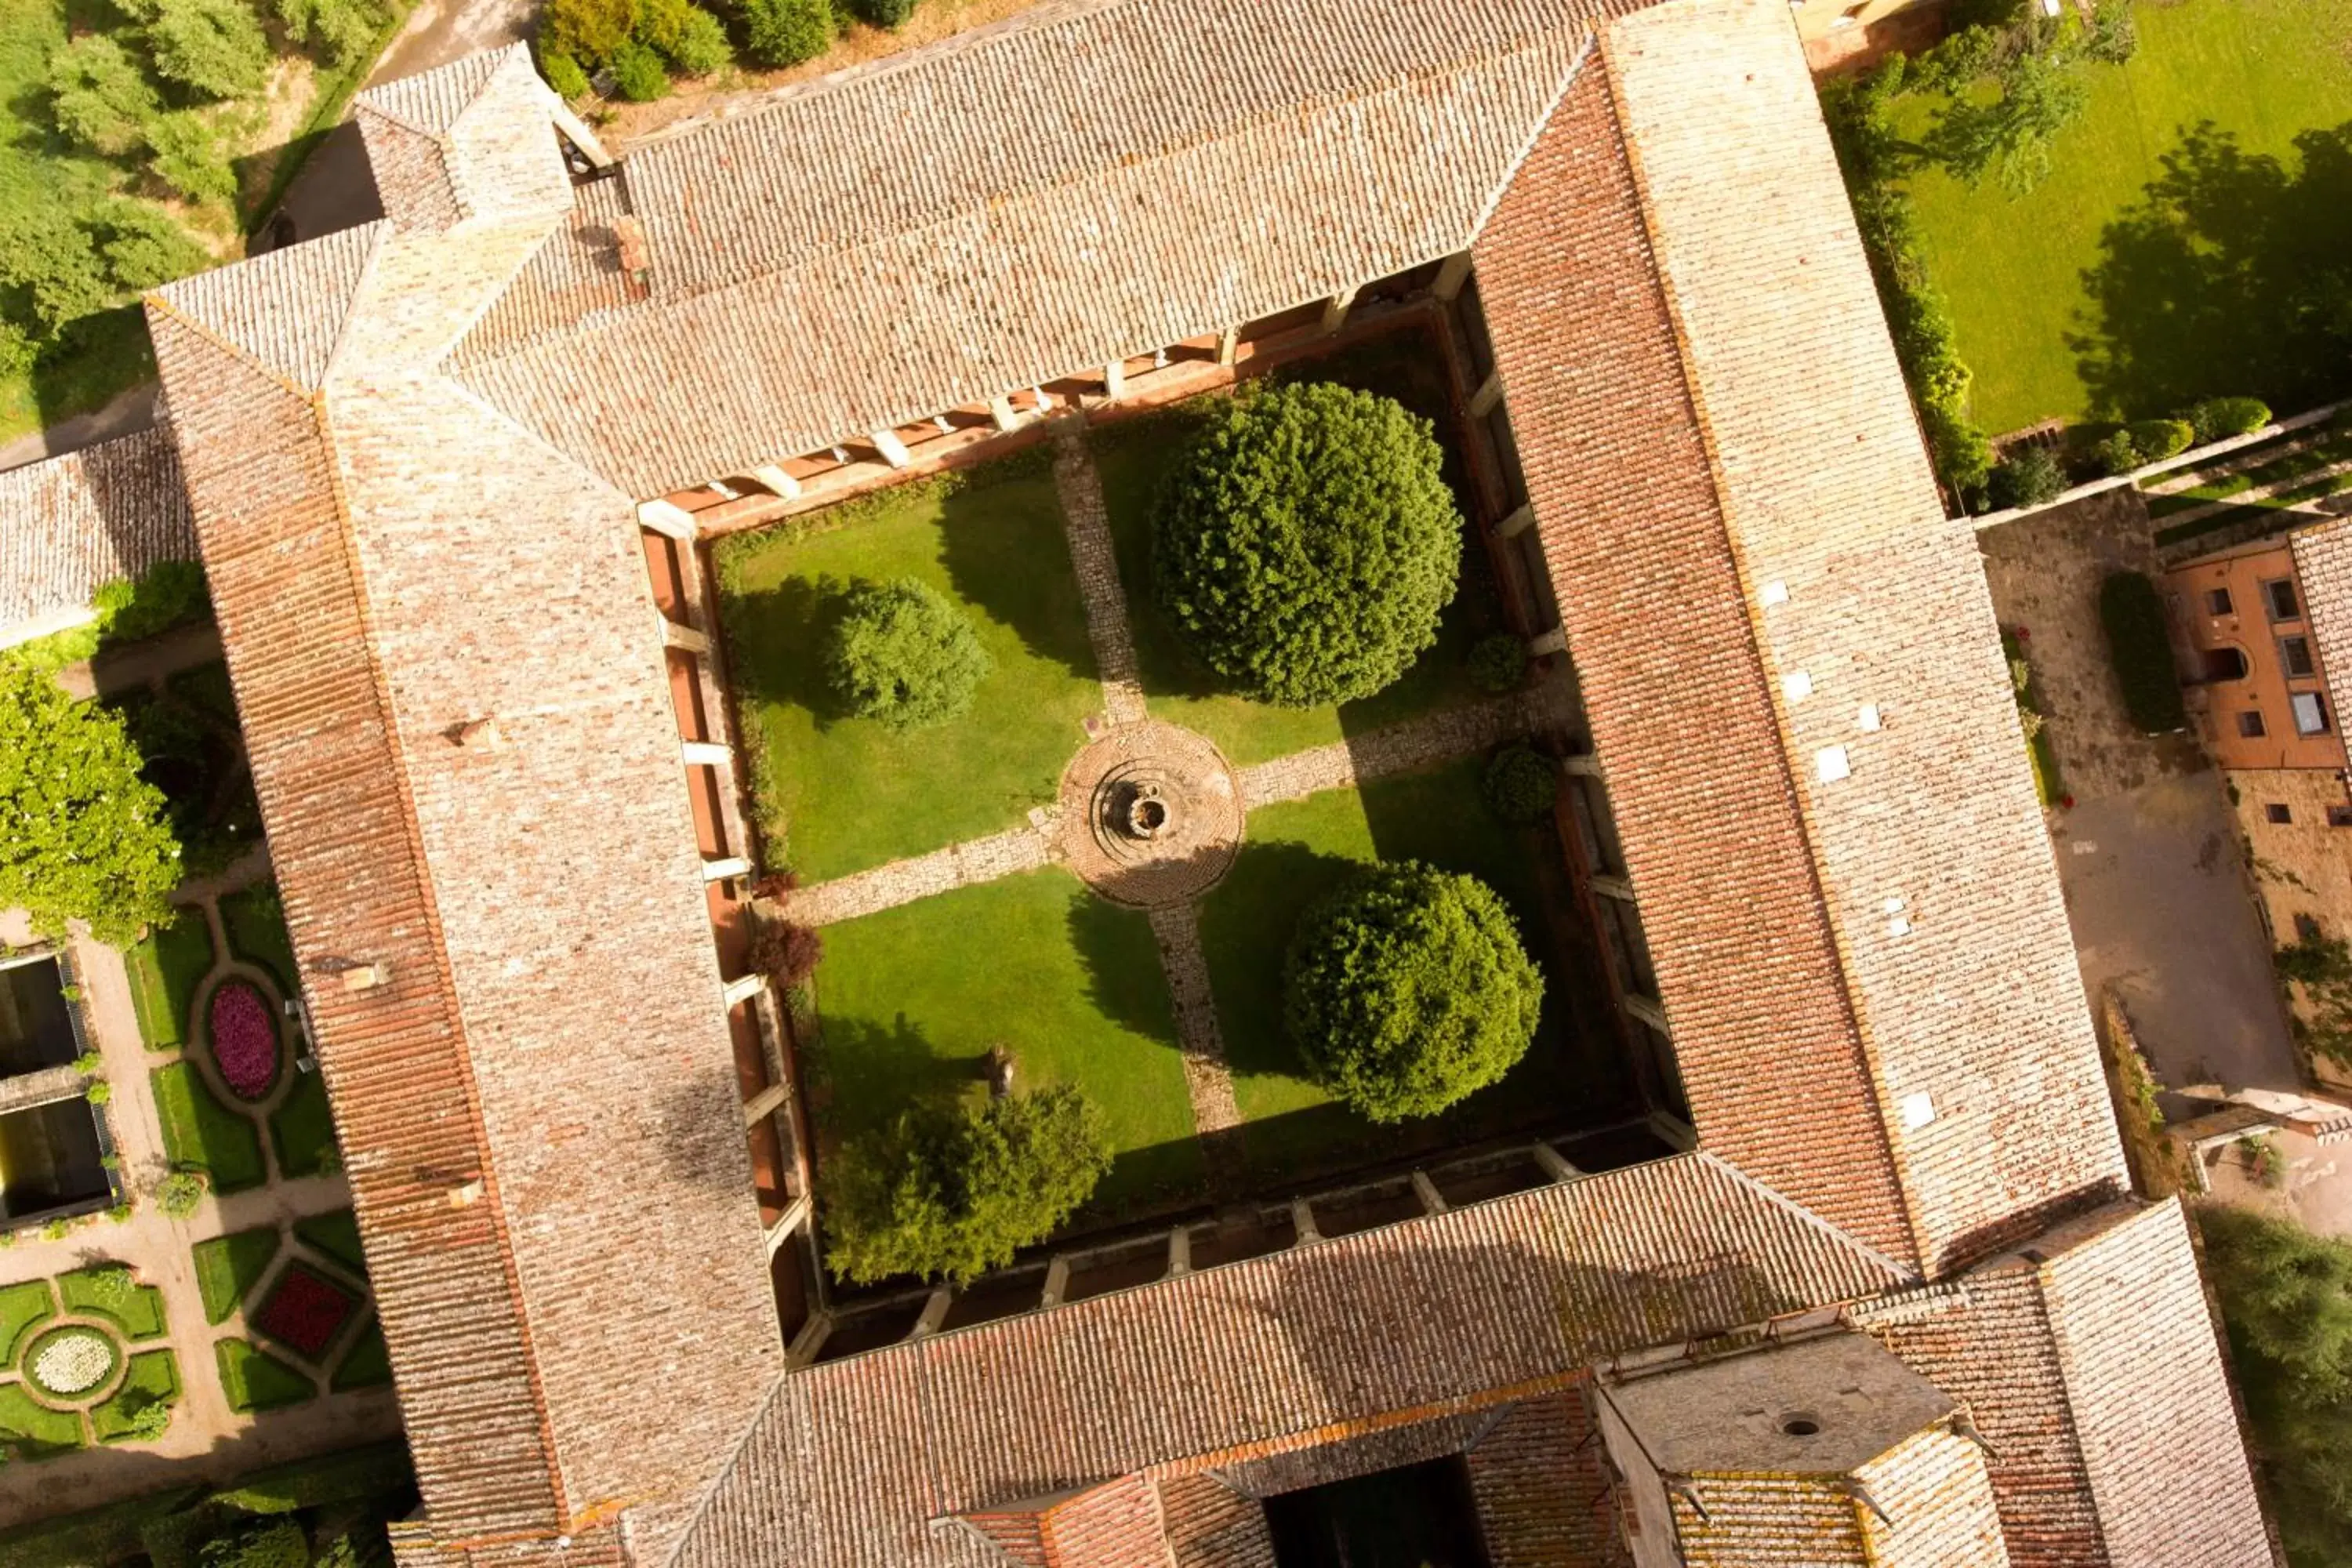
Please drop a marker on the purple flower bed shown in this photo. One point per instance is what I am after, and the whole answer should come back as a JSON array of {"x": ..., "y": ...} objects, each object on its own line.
[{"x": 245, "y": 1039}]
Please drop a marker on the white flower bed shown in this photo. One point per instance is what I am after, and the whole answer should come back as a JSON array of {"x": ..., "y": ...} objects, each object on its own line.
[{"x": 74, "y": 1362}]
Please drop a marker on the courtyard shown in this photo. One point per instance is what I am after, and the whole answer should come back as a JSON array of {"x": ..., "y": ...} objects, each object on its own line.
[{"x": 971, "y": 902}]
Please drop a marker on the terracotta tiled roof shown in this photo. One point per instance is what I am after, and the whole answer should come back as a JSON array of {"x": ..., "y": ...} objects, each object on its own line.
[
  {"x": 70, "y": 524},
  {"x": 815, "y": 277},
  {"x": 2323, "y": 566}
]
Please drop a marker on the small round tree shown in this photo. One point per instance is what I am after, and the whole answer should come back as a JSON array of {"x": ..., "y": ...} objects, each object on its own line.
[
  {"x": 1407, "y": 990},
  {"x": 82, "y": 835},
  {"x": 1306, "y": 543},
  {"x": 902, "y": 654}
]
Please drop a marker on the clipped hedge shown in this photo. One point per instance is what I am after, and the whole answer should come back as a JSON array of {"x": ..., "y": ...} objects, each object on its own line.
[
  {"x": 2219, "y": 418},
  {"x": 2132, "y": 612}
]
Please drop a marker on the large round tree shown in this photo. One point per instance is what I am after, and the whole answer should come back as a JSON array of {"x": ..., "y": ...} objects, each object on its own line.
[
  {"x": 902, "y": 654},
  {"x": 1407, "y": 990},
  {"x": 1306, "y": 543}
]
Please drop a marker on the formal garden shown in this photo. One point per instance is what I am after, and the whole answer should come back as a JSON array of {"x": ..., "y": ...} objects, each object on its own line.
[
  {"x": 2108, "y": 219},
  {"x": 1152, "y": 816},
  {"x": 83, "y": 1360},
  {"x": 295, "y": 1298}
]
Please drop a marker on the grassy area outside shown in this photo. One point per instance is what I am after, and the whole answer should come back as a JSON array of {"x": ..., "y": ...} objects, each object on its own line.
[
  {"x": 140, "y": 1315},
  {"x": 229, "y": 1266},
  {"x": 912, "y": 998},
  {"x": 165, "y": 970},
  {"x": 303, "y": 1130},
  {"x": 202, "y": 1133},
  {"x": 30, "y": 1430},
  {"x": 367, "y": 1364},
  {"x": 2078, "y": 300},
  {"x": 838, "y": 794},
  {"x": 153, "y": 1378},
  {"x": 337, "y": 1235},
  {"x": 252, "y": 1379},
  {"x": 21, "y": 1307},
  {"x": 255, "y": 919}
]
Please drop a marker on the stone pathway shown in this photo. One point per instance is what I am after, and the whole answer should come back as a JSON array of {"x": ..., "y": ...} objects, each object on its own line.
[
  {"x": 1092, "y": 556},
  {"x": 1398, "y": 748},
  {"x": 1217, "y": 1116},
  {"x": 962, "y": 864}
]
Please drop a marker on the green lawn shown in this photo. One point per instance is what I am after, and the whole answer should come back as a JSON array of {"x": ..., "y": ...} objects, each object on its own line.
[
  {"x": 165, "y": 970},
  {"x": 229, "y": 1266},
  {"x": 140, "y": 1317},
  {"x": 201, "y": 1132},
  {"x": 337, "y": 1235},
  {"x": 253, "y": 1379},
  {"x": 2076, "y": 301},
  {"x": 1295, "y": 854},
  {"x": 302, "y": 1128},
  {"x": 367, "y": 1364},
  {"x": 154, "y": 1378},
  {"x": 31, "y": 1431},
  {"x": 849, "y": 794},
  {"x": 912, "y": 998},
  {"x": 22, "y": 1306},
  {"x": 255, "y": 920}
]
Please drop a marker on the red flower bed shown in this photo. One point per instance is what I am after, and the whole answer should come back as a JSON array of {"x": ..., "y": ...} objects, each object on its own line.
[
  {"x": 306, "y": 1311},
  {"x": 245, "y": 1039}
]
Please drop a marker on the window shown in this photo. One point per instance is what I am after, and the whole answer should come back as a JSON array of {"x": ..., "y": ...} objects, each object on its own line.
[
  {"x": 2294, "y": 653},
  {"x": 2249, "y": 726},
  {"x": 2306, "y": 929},
  {"x": 2217, "y": 602},
  {"x": 2310, "y": 712},
  {"x": 2279, "y": 595},
  {"x": 2224, "y": 664},
  {"x": 2278, "y": 813},
  {"x": 2339, "y": 817}
]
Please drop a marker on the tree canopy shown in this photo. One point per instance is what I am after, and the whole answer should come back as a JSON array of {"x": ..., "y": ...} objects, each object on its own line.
[
  {"x": 902, "y": 654},
  {"x": 1308, "y": 543},
  {"x": 82, "y": 835},
  {"x": 1407, "y": 990},
  {"x": 952, "y": 1195}
]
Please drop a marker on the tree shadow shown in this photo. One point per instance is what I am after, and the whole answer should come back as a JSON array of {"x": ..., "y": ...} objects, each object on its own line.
[
  {"x": 1246, "y": 929},
  {"x": 1001, "y": 542},
  {"x": 872, "y": 1071},
  {"x": 2232, "y": 276},
  {"x": 1124, "y": 979},
  {"x": 776, "y": 638}
]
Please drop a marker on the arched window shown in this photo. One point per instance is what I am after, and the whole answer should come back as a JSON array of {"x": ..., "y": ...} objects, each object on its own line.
[{"x": 2224, "y": 664}]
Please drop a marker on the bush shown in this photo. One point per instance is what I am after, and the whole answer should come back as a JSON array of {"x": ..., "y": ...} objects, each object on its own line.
[
  {"x": 215, "y": 47},
  {"x": 890, "y": 14},
  {"x": 342, "y": 31},
  {"x": 51, "y": 260},
  {"x": 1306, "y": 543},
  {"x": 563, "y": 74},
  {"x": 902, "y": 654},
  {"x": 2030, "y": 476},
  {"x": 587, "y": 32},
  {"x": 2114, "y": 454},
  {"x": 1498, "y": 663},
  {"x": 2219, "y": 418},
  {"x": 144, "y": 247},
  {"x": 101, "y": 97},
  {"x": 954, "y": 1194},
  {"x": 180, "y": 1194},
  {"x": 186, "y": 153},
  {"x": 1407, "y": 990},
  {"x": 637, "y": 72},
  {"x": 2140, "y": 649},
  {"x": 786, "y": 32},
  {"x": 2157, "y": 439},
  {"x": 98, "y": 1093},
  {"x": 787, "y": 952},
  {"x": 2009, "y": 136},
  {"x": 701, "y": 46},
  {"x": 276, "y": 1542},
  {"x": 1521, "y": 784},
  {"x": 82, "y": 835},
  {"x": 2113, "y": 36}
]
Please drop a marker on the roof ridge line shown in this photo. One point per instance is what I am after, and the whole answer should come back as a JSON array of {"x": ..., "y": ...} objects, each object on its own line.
[
  {"x": 1904, "y": 1273},
  {"x": 154, "y": 300},
  {"x": 1535, "y": 132}
]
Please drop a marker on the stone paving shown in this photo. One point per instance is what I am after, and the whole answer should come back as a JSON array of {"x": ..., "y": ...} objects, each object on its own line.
[
  {"x": 1217, "y": 1116},
  {"x": 1095, "y": 563},
  {"x": 1398, "y": 748},
  {"x": 976, "y": 860}
]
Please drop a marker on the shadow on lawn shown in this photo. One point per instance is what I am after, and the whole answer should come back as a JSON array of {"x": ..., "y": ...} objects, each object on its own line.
[
  {"x": 873, "y": 1070},
  {"x": 1002, "y": 543},
  {"x": 1246, "y": 929},
  {"x": 778, "y": 636},
  {"x": 2232, "y": 274},
  {"x": 1122, "y": 965}
]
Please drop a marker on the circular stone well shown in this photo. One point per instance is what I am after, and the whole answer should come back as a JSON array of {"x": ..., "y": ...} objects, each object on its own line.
[{"x": 1150, "y": 814}]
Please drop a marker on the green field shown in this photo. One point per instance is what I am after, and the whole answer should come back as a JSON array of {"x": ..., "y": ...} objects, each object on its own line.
[
  {"x": 140, "y": 1315},
  {"x": 2085, "y": 299},
  {"x": 253, "y": 1379},
  {"x": 165, "y": 971},
  {"x": 302, "y": 1128},
  {"x": 154, "y": 1378},
  {"x": 202, "y": 1133},
  {"x": 255, "y": 919},
  {"x": 22, "y": 1306},
  {"x": 229, "y": 1266},
  {"x": 32, "y": 1430},
  {"x": 336, "y": 1235}
]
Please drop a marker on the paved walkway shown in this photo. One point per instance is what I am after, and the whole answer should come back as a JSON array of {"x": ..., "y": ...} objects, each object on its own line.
[
  {"x": 1398, "y": 748},
  {"x": 900, "y": 882},
  {"x": 1216, "y": 1117},
  {"x": 1097, "y": 564}
]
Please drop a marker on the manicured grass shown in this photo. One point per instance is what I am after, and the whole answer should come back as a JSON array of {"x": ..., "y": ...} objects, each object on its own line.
[
  {"x": 838, "y": 794},
  {"x": 154, "y": 1378},
  {"x": 2056, "y": 323},
  {"x": 229, "y": 1266},
  {"x": 1295, "y": 854},
  {"x": 31, "y": 1431},
  {"x": 912, "y": 998},
  {"x": 256, "y": 921},
  {"x": 302, "y": 1128},
  {"x": 22, "y": 1306},
  {"x": 336, "y": 1235},
  {"x": 140, "y": 1317},
  {"x": 253, "y": 1379},
  {"x": 165, "y": 970},
  {"x": 367, "y": 1364},
  {"x": 201, "y": 1132}
]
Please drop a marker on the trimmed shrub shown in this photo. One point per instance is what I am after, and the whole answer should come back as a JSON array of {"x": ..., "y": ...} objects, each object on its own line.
[
  {"x": 786, "y": 32},
  {"x": 952, "y": 1195},
  {"x": 563, "y": 74},
  {"x": 1306, "y": 543},
  {"x": 101, "y": 97},
  {"x": 701, "y": 46},
  {"x": 2157, "y": 439},
  {"x": 1407, "y": 990},
  {"x": 787, "y": 952},
  {"x": 2114, "y": 453},
  {"x": 2028, "y": 477},
  {"x": 1521, "y": 784},
  {"x": 902, "y": 654},
  {"x": 2219, "y": 418},
  {"x": 1499, "y": 663},
  {"x": 2132, "y": 612},
  {"x": 639, "y": 73},
  {"x": 890, "y": 14},
  {"x": 214, "y": 47},
  {"x": 179, "y": 1193}
]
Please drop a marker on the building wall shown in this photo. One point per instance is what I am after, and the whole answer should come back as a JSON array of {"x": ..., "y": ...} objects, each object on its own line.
[{"x": 2243, "y": 621}]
